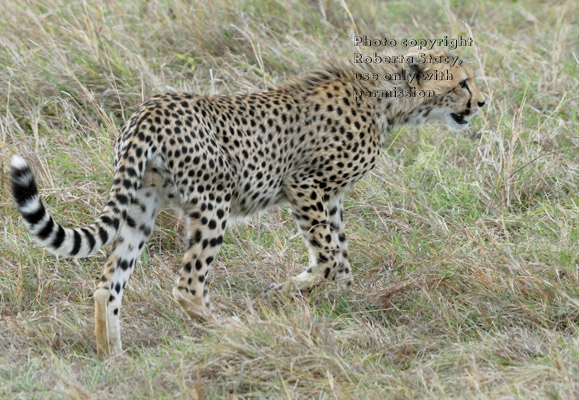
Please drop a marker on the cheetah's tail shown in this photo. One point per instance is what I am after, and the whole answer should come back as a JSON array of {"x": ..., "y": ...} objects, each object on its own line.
[{"x": 79, "y": 242}]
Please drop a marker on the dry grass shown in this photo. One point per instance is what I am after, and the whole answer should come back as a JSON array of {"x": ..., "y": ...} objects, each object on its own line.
[{"x": 464, "y": 247}]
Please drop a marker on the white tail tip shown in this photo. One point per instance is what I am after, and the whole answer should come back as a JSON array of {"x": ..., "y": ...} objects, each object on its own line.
[{"x": 18, "y": 162}]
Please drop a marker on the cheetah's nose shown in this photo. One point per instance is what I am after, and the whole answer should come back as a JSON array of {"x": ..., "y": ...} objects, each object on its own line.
[{"x": 481, "y": 103}]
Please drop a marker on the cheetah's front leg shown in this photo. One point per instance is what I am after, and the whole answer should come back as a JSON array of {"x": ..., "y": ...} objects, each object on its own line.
[
  {"x": 310, "y": 210},
  {"x": 336, "y": 219}
]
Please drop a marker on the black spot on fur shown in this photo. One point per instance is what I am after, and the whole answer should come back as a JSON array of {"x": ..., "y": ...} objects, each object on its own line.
[
  {"x": 89, "y": 236},
  {"x": 46, "y": 230},
  {"x": 35, "y": 217},
  {"x": 77, "y": 243},
  {"x": 59, "y": 237},
  {"x": 103, "y": 235},
  {"x": 23, "y": 191},
  {"x": 123, "y": 264}
]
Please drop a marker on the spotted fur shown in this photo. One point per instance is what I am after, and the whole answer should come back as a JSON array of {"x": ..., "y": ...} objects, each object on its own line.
[{"x": 304, "y": 142}]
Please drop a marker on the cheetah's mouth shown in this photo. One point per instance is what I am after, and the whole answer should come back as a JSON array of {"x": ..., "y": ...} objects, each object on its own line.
[{"x": 459, "y": 119}]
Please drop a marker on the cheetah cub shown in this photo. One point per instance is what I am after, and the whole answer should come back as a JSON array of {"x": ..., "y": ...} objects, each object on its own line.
[{"x": 303, "y": 142}]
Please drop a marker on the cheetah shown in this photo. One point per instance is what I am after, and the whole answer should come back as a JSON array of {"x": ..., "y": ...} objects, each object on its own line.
[{"x": 302, "y": 142}]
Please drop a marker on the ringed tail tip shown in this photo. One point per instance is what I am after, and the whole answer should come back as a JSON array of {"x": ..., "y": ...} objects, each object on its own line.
[{"x": 17, "y": 162}]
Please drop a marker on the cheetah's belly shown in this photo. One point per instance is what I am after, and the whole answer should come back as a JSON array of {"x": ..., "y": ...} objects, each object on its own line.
[{"x": 253, "y": 195}]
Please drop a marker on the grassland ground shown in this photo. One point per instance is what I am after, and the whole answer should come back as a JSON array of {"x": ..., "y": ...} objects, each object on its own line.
[{"x": 463, "y": 245}]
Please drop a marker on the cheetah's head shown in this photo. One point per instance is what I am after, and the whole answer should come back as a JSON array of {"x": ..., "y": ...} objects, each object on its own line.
[{"x": 456, "y": 95}]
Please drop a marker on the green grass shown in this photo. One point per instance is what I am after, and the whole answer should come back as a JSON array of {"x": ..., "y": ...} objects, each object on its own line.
[{"x": 463, "y": 245}]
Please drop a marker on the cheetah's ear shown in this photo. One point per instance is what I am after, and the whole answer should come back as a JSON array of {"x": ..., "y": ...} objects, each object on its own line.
[
  {"x": 415, "y": 65},
  {"x": 413, "y": 73}
]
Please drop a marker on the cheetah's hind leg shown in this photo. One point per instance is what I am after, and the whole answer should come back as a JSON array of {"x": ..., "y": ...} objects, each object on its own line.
[
  {"x": 119, "y": 266},
  {"x": 205, "y": 228}
]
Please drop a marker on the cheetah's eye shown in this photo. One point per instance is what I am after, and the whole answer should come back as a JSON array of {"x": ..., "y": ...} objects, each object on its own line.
[{"x": 463, "y": 83}]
